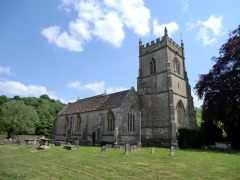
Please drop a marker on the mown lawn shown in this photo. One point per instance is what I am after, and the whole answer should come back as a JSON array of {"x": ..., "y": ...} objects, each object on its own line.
[{"x": 24, "y": 162}]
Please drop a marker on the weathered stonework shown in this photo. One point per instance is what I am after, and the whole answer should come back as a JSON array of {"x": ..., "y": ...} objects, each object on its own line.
[{"x": 162, "y": 103}]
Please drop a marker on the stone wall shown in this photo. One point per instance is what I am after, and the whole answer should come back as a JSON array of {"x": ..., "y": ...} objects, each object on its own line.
[{"x": 18, "y": 139}]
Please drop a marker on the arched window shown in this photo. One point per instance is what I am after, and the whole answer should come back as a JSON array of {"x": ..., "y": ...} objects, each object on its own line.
[
  {"x": 153, "y": 66},
  {"x": 176, "y": 66},
  {"x": 131, "y": 122},
  {"x": 110, "y": 121},
  {"x": 180, "y": 114}
]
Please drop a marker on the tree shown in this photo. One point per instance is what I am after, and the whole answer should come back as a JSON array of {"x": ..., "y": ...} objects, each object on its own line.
[
  {"x": 198, "y": 116},
  {"x": 3, "y": 99},
  {"x": 220, "y": 90},
  {"x": 17, "y": 118},
  {"x": 46, "y": 119},
  {"x": 47, "y": 110}
]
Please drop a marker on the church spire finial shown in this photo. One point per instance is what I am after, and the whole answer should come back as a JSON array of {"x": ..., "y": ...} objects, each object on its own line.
[{"x": 165, "y": 31}]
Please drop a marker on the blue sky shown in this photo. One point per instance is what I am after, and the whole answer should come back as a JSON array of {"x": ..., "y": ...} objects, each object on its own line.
[{"x": 72, "y": 49}]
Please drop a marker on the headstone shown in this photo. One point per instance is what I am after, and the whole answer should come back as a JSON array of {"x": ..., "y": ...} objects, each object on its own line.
[
  {"x": 103, "y": 148},
  {"x": 57, "y": 143},
  {"x": 172, "y": 150},
  {"x": 68, "y": 147},
  {"x": 127, "y": 148}
]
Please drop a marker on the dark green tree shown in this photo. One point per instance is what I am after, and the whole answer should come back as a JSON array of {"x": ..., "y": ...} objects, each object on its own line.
[
  {"x": 220, "y": 91},
  {"x": 3, "y": 99},
  {"x": 47, "y": 110},
  {"x": 17, "y": 118}
]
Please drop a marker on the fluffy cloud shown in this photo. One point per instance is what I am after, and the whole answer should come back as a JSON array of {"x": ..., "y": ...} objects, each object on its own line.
[
  {"x": 16, "y": 88},
  {"x": 110, "y": 29},
  {"x": 63, "y": 40},
  {"x": 134, "y": 14},
  {"x": 105, "y": 20},
  {"x": 209, "y": 30},
  {"x": 5, "y": 71},
  {"x": 97, "y": 87},
  {"x": 158, "y": 29}
]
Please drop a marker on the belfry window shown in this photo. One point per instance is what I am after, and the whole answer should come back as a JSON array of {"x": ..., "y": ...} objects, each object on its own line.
[
  {"x": 131, "y": 122},
  {"x": 153, "y": 66},
  {"x": 176, "y": 66},
  {"x": 110, "y": 121}
]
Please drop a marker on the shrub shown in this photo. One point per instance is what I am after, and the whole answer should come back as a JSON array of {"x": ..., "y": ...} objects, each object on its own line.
[{"x": 188, "y": 138}]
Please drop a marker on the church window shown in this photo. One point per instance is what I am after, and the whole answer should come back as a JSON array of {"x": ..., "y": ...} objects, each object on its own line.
[
  {"x": 71, "y": 125},
  {"x": 66, "y": 124},
  {"x": 110, "y": 121},
  {"x": 176, "y": 66},
  {"x": 180, "y": 114},
  {"x": 78, "y": 121},
  {"x": 153, "y": 66},
  {"x": 131, "y": 122}
]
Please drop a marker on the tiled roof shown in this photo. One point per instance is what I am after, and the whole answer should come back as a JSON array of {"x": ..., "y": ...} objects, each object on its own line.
[{"x": 103, "y": 101}]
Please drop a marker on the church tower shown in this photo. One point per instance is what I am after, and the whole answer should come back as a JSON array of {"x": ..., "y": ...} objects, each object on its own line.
[{"x": 164, "y": 90}]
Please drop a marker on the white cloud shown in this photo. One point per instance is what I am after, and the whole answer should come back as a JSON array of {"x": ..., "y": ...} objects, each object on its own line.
[
  {"x": 16, "y": 88},
  {"x": 63, "y": 40},
  {"x": 80, "y": 29},
  {"x": 158, "y": 29},
  {"x": 134, "y": 14},
  {"x": 110, "y": 29},
  {"x": 75, "y": 85},
  {"x": 106, "y": 20},
  {"x": 97, "y": 87},
  {"x": 209, "y": 30},
  {"x": 5, "y": 71}
]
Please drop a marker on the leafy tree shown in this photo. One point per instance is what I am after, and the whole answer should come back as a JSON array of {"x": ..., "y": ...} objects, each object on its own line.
[
  {"x": 198, "y": 116},
  {"x": 45, "y": 107},
  {"x": 45, "y": 96},
  {"x": 17, "y": 118},
  {"x": 3, "y": 99},
  {"x": 46, "y": 119},
  {"x": 220, "y": 90},
  {"x": 31, "y": 101},
  {"x": 47, "y": 111}
]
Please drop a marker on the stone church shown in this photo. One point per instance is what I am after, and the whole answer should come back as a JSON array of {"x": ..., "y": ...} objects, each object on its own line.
[{"x": 152, "y": 114}]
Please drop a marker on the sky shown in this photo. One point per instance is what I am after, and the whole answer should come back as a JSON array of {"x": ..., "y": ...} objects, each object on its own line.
[{"x": 71, "y": 49}]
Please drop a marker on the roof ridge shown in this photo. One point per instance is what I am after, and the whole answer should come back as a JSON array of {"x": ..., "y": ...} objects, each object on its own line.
[
  {"x": 119, "y": 92},
  {"x": 87, "y": 98}
]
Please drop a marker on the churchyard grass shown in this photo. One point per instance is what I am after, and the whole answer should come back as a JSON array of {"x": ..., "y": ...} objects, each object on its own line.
[{"x": 25, "y": 162}]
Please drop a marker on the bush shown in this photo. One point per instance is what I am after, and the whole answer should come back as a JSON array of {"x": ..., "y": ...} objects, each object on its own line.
[{"x": 188, "y": 138}]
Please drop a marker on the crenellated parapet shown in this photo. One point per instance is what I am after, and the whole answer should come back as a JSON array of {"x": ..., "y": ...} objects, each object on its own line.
[{"x": 159, "y": 43}]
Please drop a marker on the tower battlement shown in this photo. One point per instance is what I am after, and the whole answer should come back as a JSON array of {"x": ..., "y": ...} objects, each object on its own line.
[{"x": 158, "y": 43}]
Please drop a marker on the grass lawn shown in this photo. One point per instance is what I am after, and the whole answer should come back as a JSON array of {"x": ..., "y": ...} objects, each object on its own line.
[{"x": 24, "y": 162}]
